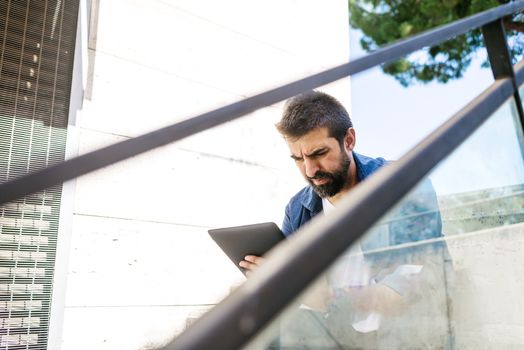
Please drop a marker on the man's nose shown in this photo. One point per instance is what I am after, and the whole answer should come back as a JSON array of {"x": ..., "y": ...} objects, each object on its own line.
[{"x": 311, "y": 167}]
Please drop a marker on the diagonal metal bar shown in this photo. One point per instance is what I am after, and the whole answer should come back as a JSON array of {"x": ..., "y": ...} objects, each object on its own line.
[
  {"x": 500, "y": 58},
  {"x": 89, "y": 162},
  {"x": 233, "y": 322},
  {"x": 498, "y": 51}
]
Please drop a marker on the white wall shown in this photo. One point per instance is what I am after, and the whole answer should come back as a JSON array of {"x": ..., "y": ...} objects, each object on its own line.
[{"x": 141, "y": 261}]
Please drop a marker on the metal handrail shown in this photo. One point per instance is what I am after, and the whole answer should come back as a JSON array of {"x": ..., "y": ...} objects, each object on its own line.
[{"x": 97, "y": 159}]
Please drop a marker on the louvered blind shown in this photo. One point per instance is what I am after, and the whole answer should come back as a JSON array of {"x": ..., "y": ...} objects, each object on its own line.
[{"x": 36, "y": 56}]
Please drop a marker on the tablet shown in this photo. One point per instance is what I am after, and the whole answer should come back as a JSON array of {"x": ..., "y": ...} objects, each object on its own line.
[{"x": 239, "y": 241}]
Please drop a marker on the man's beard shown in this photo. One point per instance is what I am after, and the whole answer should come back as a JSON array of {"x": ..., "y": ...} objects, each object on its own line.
[{"x": 338, "y": 179}]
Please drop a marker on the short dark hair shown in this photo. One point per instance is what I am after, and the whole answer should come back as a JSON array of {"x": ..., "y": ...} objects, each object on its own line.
[{"x": 311, "y": 110}]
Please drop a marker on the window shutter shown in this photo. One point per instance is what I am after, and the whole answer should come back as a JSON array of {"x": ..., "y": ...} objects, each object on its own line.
[{"x": 36, "y": 57}]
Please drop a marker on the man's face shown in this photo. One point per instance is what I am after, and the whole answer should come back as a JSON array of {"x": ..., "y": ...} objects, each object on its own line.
[{"x": 322, "y": 161}]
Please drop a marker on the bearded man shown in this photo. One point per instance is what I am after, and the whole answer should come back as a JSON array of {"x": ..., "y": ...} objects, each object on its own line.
[{"x": 374, "y": 294}]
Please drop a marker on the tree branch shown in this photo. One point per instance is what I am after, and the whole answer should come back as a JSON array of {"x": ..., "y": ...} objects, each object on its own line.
[{"x": 516, "y": 26}]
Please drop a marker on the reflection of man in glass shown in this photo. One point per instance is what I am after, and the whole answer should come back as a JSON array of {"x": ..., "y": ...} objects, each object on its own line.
[{"x": 378, "y": 284}]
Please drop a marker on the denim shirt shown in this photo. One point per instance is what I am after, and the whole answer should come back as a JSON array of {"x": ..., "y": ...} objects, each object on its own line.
[
  {"x": 306, "y": 203},
  {"x": 416, "y": 219}
]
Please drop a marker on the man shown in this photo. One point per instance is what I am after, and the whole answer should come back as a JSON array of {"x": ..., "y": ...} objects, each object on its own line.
[{"x": 374, "y": 286}]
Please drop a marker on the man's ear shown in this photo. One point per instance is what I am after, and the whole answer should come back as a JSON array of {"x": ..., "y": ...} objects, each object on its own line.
[{"x": 350, "y": 139}]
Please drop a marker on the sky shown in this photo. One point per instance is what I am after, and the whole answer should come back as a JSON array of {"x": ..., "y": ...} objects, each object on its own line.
[{"x": 390, "y": 119}]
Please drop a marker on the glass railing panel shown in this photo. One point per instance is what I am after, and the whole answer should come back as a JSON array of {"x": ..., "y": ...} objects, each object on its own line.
[{"x": 441, "y": 270}]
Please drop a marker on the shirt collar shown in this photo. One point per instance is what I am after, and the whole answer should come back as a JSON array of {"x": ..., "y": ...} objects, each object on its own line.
[
  {"x": 311, "y": 201},
  {"x": 361, "y": 161}
]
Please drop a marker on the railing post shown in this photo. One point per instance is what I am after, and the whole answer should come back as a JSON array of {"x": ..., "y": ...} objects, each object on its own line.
[{"x": 500, "y": 58}]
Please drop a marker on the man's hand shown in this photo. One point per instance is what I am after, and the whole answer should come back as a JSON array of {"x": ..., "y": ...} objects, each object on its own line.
[{"x": 251, "y": 262}]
